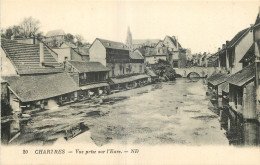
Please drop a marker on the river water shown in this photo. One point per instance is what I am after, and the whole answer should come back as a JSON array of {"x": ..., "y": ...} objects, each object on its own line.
[{"x": 176, "y": 112}]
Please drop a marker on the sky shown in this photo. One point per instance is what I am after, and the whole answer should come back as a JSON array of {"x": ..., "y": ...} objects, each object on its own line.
[{"x": 202, "y": 26}]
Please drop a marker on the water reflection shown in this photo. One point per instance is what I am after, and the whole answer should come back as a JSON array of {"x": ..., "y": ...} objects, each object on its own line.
[{"x": 240, "y": 132}]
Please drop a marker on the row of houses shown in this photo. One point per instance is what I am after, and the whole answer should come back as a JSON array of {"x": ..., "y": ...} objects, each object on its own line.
[
  {"x": 236, "y": 81},
  {"x": 35, "y": 75},
  {"x": 169, "y": 49}
]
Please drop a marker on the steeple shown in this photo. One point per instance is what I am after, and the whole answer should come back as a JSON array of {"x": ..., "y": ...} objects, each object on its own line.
[{"x": 129, "y": 43}]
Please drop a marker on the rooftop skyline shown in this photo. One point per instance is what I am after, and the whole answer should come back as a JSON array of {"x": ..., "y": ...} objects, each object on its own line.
[{"x": 199, "y": 25}]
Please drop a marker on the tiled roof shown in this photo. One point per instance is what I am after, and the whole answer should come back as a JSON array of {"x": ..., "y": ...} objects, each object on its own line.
[
  {"x": 91, "y": 86},
  {"x": 237, "y": 37},
  {"x": 113, "y": 44},
  {"x": 26, "y": 57},
  {"x": 38, "y": 87},
  {"x": 217, "y": 78},
  {"x": 84, "y": 51},
  {"x": 243, "y": 76},
  {"x": 55, "y": 33},
  {"x": 83, "y": 66},
  {"x": 136, "y": 55},
  {"x": 127, "y": 79}
]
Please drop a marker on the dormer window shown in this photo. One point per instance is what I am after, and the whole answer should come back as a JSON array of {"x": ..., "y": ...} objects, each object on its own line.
[{"x": 108, "y": 44}]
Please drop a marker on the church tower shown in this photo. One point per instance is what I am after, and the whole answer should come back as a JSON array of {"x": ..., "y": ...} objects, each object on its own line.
[{"x": 129, "y": 43}]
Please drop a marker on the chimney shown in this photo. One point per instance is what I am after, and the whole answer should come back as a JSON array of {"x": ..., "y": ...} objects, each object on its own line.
[
  {"x": 41, "y": 54},
  {"x": 227, "y": 43},
  {"x": 223, "y": 46},
  {"x": 177, "y": 45},
  {"x": 219, "y": 49}
]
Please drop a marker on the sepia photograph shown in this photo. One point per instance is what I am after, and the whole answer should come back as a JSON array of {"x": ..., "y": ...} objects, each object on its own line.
[{"x": 113, "y": 82}]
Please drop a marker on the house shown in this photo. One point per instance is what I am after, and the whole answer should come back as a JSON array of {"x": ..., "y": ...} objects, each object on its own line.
[
  {"x": 34, "y": 76},
  {"x": 124, "y": 67},
  {"x": 233, "y": 51},
  {"x": 242, "y": 92},
  {"x": 21, "y": 59},
  {"x": 152, "y": 55},
  {"x": 83, "y": 52},
  {"x": 177, "y": 55},
  {"x": 91, "y": 77},
  {"x": 215, "y": 81},
  {"x": 55, "y": 38},
  {"x": 256, "y": 32},
  {"x": 68, "y": 53},
  {"x": 41, "y": 90}
]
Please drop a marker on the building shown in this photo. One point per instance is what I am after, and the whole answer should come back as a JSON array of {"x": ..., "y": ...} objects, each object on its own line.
[
  {"x": 91, "y": 77},
  {"x": 55, "y": 38},
  {"x": 215, "y": 82},
  {"x": 177, "y": 55},
  {"x": 256, "y": 32},
  {"x": 34, "y": 76},
  {"x": 153, "y": 55},
  {"x": 69, "y": 53},
  {"x": 234, "y": 50},
  {"x": 124, "y": 66},
  {"x": 242, "y": 92}
]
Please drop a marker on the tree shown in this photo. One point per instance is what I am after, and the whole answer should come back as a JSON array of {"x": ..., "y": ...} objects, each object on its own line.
[
  {"x": 2, "y": 33},
  {"x": 30, "y": 26},
  {"x": 8, "y": 33},
  {"x": 16, "y": 30},
  {"x": 79, "y": 40},
  {"x": 69, "y": 38}
]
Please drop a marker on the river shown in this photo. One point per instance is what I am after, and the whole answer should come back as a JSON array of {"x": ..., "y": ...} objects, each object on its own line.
[{"x": 176, "y": 112}]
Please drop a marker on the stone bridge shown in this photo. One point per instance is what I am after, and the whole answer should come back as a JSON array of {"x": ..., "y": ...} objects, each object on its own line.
[{"x": 194, "y": 71}]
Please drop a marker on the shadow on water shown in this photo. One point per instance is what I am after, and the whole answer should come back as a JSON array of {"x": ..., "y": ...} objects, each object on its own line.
[{"x": 239, "y": 132}]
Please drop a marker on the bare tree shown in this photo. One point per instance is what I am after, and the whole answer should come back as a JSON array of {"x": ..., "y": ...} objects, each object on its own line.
[{"x": 30, "y": 26}]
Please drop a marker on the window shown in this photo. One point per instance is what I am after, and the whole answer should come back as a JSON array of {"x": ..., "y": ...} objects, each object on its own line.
[{"x": 140, "y": 68}]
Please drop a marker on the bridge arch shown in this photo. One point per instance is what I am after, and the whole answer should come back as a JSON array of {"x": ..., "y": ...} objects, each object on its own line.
[{"x": 193, "y": 75}]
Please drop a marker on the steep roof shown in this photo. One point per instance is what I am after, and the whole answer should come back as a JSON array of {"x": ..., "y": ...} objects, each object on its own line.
[
  {"x": 174, "y": 41},
  {"x": 243, "y": 76},
  {"x": 26, "y": 58},
  {"x": 58, "y": 32},
  {"x": 113, "y": 44},
  {"x": 83, "y": 66},
  {"x": 217, "y": 78},
  {"x": 136, "y": 55},
  {"x": 237, "y": 37},
  {"x": 38, "y": 87},
  {"x": 84, "y": 51}
]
